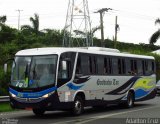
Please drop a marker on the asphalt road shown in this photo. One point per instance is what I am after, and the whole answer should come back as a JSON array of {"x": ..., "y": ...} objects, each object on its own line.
[{"x": 147, "y": 112}]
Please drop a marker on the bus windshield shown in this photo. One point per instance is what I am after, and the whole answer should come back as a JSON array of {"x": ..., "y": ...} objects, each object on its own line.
[{"x": 34, "y": 71}]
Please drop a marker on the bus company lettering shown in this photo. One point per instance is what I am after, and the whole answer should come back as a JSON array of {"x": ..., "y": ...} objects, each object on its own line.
[{"x": 107, "y": 82}]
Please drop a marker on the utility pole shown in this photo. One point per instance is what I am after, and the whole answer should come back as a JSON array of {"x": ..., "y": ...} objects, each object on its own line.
[
  {"x": 116, "y": 30},
  {"x": 101, "y": 12},
  {"x": 19, "y": 14}
]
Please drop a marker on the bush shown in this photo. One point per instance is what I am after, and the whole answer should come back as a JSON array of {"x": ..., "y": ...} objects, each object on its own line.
[{"x": 4, "y": 81}]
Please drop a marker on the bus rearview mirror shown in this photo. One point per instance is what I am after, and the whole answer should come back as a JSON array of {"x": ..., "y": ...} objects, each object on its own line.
[
  {"x": 64, "y": 65},
  {"x": 6, "y": 65}
]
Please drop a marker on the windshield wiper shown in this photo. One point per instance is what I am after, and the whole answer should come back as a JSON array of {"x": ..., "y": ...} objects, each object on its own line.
[
  {"x": 34, "y": 72},
  {"x": 34, "y": 76},
  {"x": 26, "y": 71}
]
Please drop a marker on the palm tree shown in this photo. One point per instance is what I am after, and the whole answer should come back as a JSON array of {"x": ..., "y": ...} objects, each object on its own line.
[
  {"x": 35, "y": 25},
  {"x": 155, "y": 36},
  {"x": 3, "y": 19},
  {"x": 95, "y": 29},
  {"x": 78, "y": 32}
]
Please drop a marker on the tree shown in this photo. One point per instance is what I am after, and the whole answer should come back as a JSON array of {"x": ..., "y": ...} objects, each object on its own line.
[
  {"x": 7, "y": 34},
  {"x": 155, "y": 36},
  {"x": 3, "y": 19},
  {"x": 2, "y": 22},
  {"x": 35, "y": 25},
  {"x": 53, "y": 37},
  {"x": 89, "y": 35},
  {"x": 95, "y": 29}
]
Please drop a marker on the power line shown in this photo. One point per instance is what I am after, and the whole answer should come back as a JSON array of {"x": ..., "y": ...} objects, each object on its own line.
[
  {"x": 133, "y": 14},
  {"x": 117, "y": 12}
]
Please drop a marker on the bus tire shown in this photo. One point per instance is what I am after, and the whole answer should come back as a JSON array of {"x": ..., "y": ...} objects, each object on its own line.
[
  {"x": 38, "y": 112},
  {"x": 78, "y": 106},
  {"x": 130, "y": 100}
]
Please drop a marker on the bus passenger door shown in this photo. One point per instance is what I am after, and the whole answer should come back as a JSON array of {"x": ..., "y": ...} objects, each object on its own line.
[{"x": 65, "y": 71}]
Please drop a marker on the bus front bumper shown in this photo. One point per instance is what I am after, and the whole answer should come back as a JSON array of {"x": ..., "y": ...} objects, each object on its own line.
[{"x": 50, "y": 103}]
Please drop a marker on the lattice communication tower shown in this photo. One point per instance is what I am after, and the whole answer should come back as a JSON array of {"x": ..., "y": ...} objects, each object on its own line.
[{"x": 77, "y": 30}]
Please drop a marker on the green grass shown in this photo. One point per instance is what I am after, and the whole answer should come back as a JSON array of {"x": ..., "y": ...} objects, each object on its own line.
[{"x": 5, "y": 107}]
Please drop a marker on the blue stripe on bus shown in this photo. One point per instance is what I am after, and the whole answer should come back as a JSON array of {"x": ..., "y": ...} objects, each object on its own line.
[
  {"x": 140, "y": 93},
  {"x": 74, "y": 87},
  {"x": 32, "y": 95}
]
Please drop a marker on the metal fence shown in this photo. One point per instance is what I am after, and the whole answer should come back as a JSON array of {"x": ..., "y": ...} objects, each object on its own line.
[{"x": 4, "y": 99}]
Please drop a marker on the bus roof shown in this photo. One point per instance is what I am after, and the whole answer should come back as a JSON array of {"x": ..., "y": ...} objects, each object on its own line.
[{"x": 92, "y": 50}]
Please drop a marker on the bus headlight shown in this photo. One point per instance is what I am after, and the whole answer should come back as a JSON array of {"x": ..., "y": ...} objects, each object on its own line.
[
  {"x": 12, "y": 95},
  {"x": 47, "y": 95}
]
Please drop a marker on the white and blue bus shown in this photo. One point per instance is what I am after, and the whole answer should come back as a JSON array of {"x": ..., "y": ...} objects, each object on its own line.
[{"x": 46, "y": 79}]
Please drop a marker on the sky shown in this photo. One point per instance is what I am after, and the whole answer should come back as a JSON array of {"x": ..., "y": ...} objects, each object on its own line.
[{"x": 136, "y": 18}]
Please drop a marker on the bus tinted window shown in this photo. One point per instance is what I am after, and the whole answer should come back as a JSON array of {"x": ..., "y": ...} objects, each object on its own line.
[
  {"x": 133, "y": 64},
  {"x": 153, "y": 66},
  {"x": 100, "y": 65},
  {"x": 148, "y": 67},
  {"x": 90, "y": 65},
  {"x": 139, "y": 67},
  {"x": 107, "y": 65},
  {"x": 121, "y": 66},
  {"x": 94, "y": 65},
  {"x": 79, "y": 67},
  {"x": 115, "y": 65},
  {"x": 84, "y": 64}
]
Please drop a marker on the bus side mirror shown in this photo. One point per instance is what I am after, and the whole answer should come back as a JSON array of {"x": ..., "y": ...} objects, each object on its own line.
[
  {"x": 64, "y": 70},
  {"x": 64, "y": 65},
  {"x": 6, "y": 65},
  {"x": 5, "y": 68}
]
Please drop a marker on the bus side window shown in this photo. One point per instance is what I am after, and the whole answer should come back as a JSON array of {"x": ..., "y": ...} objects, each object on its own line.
[
  {"x": 150, "y": 67},
  {"x": 153, "y": 66},
  {"x": 85, "y": 64},
  {"x": 121, "y": 66},
  {"x": 107, "y": 65},
  {"x": 139, "y": 67},
  {"x": 100, "y": 65},
  {"x": 145, "y": 67},
  {"x": 110, "y": 67},
  {"x": 90, "y": 65},
  {"x": 95, "y": 68},
  {"x": 115, "y": 66},
  {"x": 133, "y": 67},
  {"x": 78, "y": 67}
]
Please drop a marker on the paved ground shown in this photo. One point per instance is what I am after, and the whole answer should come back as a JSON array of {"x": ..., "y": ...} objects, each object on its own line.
[{"x": 147, "y": 112}]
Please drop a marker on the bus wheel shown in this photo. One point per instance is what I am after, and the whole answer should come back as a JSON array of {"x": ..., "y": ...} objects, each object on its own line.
[
  {"x": 38, "y": 112},
  {"x": 78, "y": 107},
  {"x": 130, "y": 100}
]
